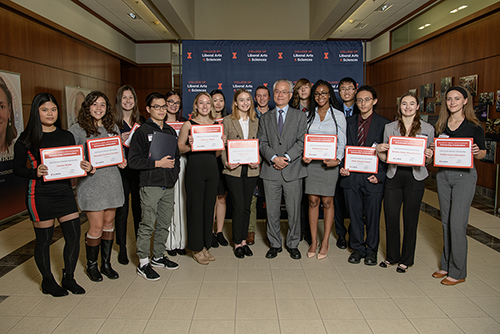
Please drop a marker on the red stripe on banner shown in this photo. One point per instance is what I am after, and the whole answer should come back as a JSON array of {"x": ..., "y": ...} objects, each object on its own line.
[{"x": 31, "y": 189}]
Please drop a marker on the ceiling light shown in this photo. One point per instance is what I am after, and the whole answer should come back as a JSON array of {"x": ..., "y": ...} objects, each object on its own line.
[
  {"x": 426, "y": 25},
  {"x": 462, "y": 7},
  {"x": 459, "y": 8},
  {"x": 454, "y": 11},
  {"x": 352, "y": 21},
  {"x": 384, "y": 7},
  {"x": 361, "y": 25},
  {"x": 420, "y": 28},
  {"x": 133, "y": 15}
]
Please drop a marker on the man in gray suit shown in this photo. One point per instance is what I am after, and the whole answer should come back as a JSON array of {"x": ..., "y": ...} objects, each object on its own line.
[{"x": 281, "y": 137}]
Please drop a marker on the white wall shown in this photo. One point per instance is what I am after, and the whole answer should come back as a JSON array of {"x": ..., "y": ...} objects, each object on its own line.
[
  {"x": 76, "y": 19},
  {"x": 154, "y": 53}
]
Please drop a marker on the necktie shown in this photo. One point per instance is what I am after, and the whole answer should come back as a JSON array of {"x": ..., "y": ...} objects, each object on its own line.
[
  {"x": 348, "y": 112},
  {"x": 280, "y": 121},
  {"x": 361, "y": 138}
]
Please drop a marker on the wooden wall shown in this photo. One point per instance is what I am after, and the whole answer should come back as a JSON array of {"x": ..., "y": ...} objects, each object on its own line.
[
  {"x": 472, "y": 48},
  {"x": 49, "y": 60}
]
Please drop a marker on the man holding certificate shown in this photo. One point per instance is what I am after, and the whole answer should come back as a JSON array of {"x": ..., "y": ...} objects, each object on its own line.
[
  {"x": 158, "y": 175},
  {"x": 281, "y": 137},
  {"x": 364, "y": 192}
]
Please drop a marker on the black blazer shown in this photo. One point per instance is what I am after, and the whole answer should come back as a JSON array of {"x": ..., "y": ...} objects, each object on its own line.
[{"x": 375, "y": 135}]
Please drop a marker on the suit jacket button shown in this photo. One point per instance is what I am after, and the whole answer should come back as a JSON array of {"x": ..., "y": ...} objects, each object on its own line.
[{"x": 280, "y": 143}]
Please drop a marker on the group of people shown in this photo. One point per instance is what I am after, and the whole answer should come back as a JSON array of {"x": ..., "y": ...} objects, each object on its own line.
[{"x": 179, "y": 196}]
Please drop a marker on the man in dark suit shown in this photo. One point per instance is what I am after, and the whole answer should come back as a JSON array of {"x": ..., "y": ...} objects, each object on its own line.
[
  {"x": 364, "y": 192},
  {"x": 281, "y": 137},
  {"x": 347, "y": 92}
]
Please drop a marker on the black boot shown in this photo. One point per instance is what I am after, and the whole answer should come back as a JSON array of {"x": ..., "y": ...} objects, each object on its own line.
[
  {"x": 71, "y": 232},
  {"x": 92, "y": 247},
  {"x": 42, "y": 260},
  {"x": 106, "y": 246},
  {"x": 121, "y": 229}
]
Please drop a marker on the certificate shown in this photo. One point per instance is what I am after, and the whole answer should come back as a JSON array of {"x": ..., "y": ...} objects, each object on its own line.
[
  {"x": 176, "y": 126},
  {"x": 62, "y": 162},
  {"x": 453, "y": 152},
  {"x": 243, "y": 151},
  {"x": 105, "y": 152},
  {"x": 129, "y": 139},
  {"x": 406, "y": 151},
  {"x": 361, "y": 159},
  {"x": 319, "y": 147},
  {"x": 207, "y": 137}
]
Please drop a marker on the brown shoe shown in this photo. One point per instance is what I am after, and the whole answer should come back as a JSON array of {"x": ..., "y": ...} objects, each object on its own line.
[
  {"x": 437, "y": 274},
  {"x": 207, "y": 255},
  {"x": 251, "y": 238},
  {"x": 449, "y": 282},
  {"x": 200, "y": 257}
]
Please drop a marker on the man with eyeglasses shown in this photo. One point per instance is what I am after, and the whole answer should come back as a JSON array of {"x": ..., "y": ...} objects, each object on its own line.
[
  {"x": 281, "y": 137},
  {"x": 347, "y": 92},
  {"x": 364, "y": 192},
  {"x": 157, "y": 181}
]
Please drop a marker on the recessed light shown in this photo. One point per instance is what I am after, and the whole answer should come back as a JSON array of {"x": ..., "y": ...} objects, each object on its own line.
[
  {"x": 454, "y": 11},
  {"x": 420, "y": 28},
  {"x": 384, "y": 7},
  {"x": 133, "y": 16},
  {"x": 426, "y": 25},
  {"x": 462, "y": 7},
  {"x": 361, "y": 25}
]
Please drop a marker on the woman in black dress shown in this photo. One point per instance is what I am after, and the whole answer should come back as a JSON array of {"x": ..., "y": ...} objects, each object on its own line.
[{"x": 47, "y": 201}]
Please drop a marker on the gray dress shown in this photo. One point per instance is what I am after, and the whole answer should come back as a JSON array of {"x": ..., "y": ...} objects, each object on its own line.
[
  {"x": 103, "y": 189},
  {"x": 322, "y": 180}
]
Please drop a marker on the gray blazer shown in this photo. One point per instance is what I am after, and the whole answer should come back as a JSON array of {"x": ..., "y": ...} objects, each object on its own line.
[
  {"x": 392, "y": 129},
  {"x": 290, "y": 142}
]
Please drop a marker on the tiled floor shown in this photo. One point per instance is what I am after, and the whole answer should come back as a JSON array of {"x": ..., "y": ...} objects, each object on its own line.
[{"x": 256, "y": 295}]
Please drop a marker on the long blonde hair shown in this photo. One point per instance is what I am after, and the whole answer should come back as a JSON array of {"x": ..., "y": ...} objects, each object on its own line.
[
  {"x": 195, "y": 108},
  {"x": 467, "y": 109},
  {"x": 236, "y": 113}
]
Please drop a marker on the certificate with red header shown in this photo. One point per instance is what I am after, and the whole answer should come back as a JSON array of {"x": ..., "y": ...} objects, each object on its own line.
[
  {"x": 361, "y": 159},
  {"x": 62, "y": 162},
  {"x": 408, "y": 151},
  {"x": 243, "y": 151},
  {"x": 219, "y": 120},
  {"x": 207, "y": 137},
  {"x": 129, "y": 139},
  {"x": 319, "y": 147},
  {"x": 176, "y": 125},
  {"x": 453, "y": 152},
  {"x": 105, "y": 152}
]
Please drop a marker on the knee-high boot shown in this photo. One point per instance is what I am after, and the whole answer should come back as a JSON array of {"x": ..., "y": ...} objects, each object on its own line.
[
  {"x": 71, "y": 231},
  {"x": 92, "y": 247},
  {"x": 106, "y": 246},
  {"x": 42, "y": 260}
]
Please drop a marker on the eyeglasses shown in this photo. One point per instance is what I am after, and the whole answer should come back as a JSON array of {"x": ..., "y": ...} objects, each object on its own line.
[
  {"x": 278, "y": 92},
  {"x": 322, "y": 94},
  {"x": 177, "y": 103},
  {"x": 157, "y": 107},
  {"x": 366, "y": 99},
  {"x": 350, "y": 89}
]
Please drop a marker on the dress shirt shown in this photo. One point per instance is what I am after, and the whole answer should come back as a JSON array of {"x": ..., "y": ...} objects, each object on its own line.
[
  {"x": 366, "y": 125},
  {"x": 244, "y": 127},
  {"x": 328, "y": 127},
  {"x": 348, "y": 110}
]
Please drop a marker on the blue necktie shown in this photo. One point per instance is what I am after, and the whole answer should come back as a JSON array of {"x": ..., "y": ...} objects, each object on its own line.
[
  {"x": 280, "y": 121},
  {"x": 348, "y": 112}
]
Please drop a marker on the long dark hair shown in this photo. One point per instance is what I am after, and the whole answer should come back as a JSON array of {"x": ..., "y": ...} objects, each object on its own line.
[
  {"x": 11, "y": 131},
  {"x": 135, "y": 116},
  {"x": 334, "y": 103},
  {"x": 178, "y": 116},
  {"x": 468, "y": 110},
  {"x": 88, "y": 123},
  {"x": 415, "y": 125},
  {"x": 218, "y": 91},
  {"x": 31, "y": 137}
]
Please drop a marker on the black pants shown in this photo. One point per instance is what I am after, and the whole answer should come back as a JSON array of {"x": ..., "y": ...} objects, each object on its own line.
[
  {"x": 130, "y": 181},
  {"x": 341, "y": 212},
  {"x": 241, "y": 191},
  {"x": 404, "y": 190}
]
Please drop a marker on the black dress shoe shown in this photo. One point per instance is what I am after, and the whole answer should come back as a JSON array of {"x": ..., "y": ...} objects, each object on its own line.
[
  {"x": 341, "y": 242},
  {"x": 181, "y": 251},
  {"x": 172, "y": 252},
  {"x": 355, "y": 257},
  {"x": 221, "y": 240},
  {"x": 294, "y": 253},
  {"x": 371, "y": 259},
  {"x": 215, "y": 243},
  {"x": 273, "y": 252},
  {"x": 247, "y": 250},
  {"x": 239, "y": 252}
]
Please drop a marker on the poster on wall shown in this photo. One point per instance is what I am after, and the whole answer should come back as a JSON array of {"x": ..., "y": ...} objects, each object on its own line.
[
  {"x": 230, "y": 65},
  {"x": 13, "y": 188},
  {"x": 74, "y": 99}
]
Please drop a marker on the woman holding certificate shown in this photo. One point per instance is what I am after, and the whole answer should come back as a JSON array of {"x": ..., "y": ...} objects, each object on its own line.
[
  {"x": 323, "y": 119},
  {"x": 404, "y": 184},
  {"x": 127, "y": 115},
  {"x": 241, "y": 178},
  {"x": 45, "y": 200},
  {"x": 456, "y": 186},
  {"x": 100, "y": 192},
  {"x": 202, "y": 179}
]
